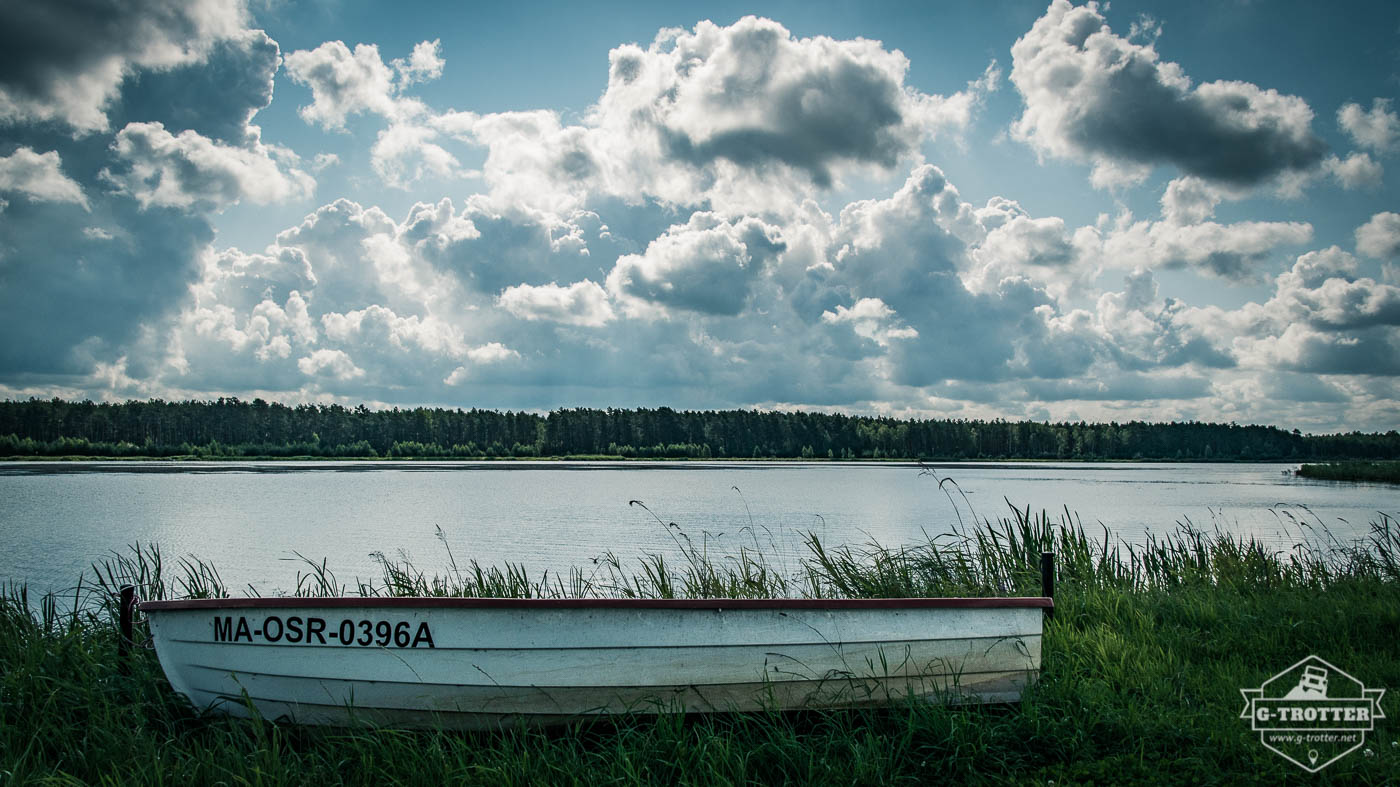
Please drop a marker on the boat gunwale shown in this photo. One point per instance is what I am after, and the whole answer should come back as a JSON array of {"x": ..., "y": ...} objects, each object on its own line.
[{"x": 461, "y": 602}]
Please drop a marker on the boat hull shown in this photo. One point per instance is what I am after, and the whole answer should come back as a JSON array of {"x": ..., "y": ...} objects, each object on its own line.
[{"x": 481, "y": 663}]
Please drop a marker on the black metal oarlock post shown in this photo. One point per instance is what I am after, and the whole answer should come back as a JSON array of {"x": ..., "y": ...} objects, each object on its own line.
[
  {"x": 1047, "y": 580},
  {"x": 125, "y": 613}
]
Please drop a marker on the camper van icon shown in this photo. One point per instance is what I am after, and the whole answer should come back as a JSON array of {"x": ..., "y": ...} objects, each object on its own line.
[{"x": 1311, "y": 686}]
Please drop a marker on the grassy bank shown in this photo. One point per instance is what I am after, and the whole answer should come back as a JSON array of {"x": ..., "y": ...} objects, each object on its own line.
[
  {"x": 1388, "y": 472},
  {"x": 1143, "y": 664}
]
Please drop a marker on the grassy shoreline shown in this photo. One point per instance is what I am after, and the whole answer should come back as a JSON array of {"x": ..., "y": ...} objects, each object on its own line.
[
  {"x": 1382, "y": 471},
  {"x": 1143, "y": 663}
]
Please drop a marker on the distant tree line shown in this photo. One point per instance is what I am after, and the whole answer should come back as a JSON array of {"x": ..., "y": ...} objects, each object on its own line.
[{"x": 230, "y": 427}]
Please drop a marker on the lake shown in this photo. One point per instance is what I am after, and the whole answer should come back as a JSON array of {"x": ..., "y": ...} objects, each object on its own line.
[{"x": 252, "y": 519}]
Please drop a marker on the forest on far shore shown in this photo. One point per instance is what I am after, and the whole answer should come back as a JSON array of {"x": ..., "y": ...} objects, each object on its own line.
[{"x": 232, "y": 428}]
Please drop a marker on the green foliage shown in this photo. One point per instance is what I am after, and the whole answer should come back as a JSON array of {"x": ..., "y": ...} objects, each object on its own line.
[{"x": 230, "y": 428}]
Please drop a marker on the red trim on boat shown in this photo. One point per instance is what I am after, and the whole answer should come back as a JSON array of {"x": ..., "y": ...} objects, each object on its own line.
[{"x": 350, "y": 602}]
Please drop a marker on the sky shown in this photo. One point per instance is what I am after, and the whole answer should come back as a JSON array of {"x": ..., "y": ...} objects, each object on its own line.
[{"x": 1020, "y": 210}]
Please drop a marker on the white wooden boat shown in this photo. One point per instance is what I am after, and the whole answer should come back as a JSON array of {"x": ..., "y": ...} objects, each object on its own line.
[{"x": 473, "y": 662}]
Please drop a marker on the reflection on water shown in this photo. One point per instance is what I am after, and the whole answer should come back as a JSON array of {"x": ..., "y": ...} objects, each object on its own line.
[{"x": 249, "y": 519}]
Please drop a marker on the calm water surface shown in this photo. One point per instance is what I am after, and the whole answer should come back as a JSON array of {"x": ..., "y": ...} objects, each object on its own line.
[{"x": 252, "y": 519}]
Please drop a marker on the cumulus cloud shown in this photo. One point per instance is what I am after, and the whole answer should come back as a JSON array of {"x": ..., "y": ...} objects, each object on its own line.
[
  {"x": 1191, "y": 200},
  {"x": 40, "y": 176},
  {"x": 1305, "y": 349},
  {"x": 65, "y": 60},
  {"x": 581, "y": 303},
  {"x": 706, "y": 265},
  {"x": 424, "y": 64},
  {"x": 343, "y": 83},
  {"x": 1095, "y": 96},
  {"x": 192, "y": 171},
  {"x": 1142, "y": 331},
  {"x": 872, "y": 319},
  {"x": 331, "y": 363},
  {"x": 907, "y": 251},
  {"x": 488, "y": 247},
  {"x": 1323, "y": 289},
  {"x": 1380, "y": 237},
  {"x": 1377, "y": 130},
  {"x": 740, "y": 117},
  {"x": 378, "y": 327},
  {"x": 492, "y": 352},
  {"x": 1229, "y": 251},
  {"x": 753, "y": 94},
  {"x": 1323, "y": 318},
  {"x": 1356, "y": 171},
  {"x": 405, "y": 153},
  {"x": 182, "y": 82}
]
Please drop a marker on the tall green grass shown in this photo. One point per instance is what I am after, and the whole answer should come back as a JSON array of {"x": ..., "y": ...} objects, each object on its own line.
[{"x": 1142, "y": 668}]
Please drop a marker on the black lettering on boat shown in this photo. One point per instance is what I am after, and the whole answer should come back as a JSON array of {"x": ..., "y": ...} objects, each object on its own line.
[
  {"x": 423, "y": 635},
  {"x": 315, "y": 630}
]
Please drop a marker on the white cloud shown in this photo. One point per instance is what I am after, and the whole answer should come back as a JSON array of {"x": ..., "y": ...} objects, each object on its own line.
[
  {"x": 1192, "y": 200},
  {"x": 1377, "y": 130},
  {"x": 1379, "y": 238},
  {"x": 39, "y": 175},
  {"x": 1092, "y": 95},
  {"x": 248, "y": 305},
  {"x": 379, "y": 327},
  {"x": 581, "y": 303},
  {"x": 755, "y": 95},
  {"x": 746, "y": 118},
  {"x": 405, "y": 152},
  {"x": 491, "y": 352},
  {"x": 706, "y": 265},
  {"x": 345, "y": 83},
  {"x": 1323, "y": 289},
  {"x": 1356, "y": 171},
  {"x": 1230, "y": 251},
  {"x": 424, "y": 64},
  {"x": 76, "y": 55},
  {"x": 872, "y": 319},
  {"x": 192, "y": 171},
  {"x": 342, "y": 82},
  {"x": 331, "y": 363}
]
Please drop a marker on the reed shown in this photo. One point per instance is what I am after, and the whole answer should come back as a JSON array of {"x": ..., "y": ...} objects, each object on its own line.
[
  {"x": 1142, "y": 666},
  {"x": 998, "y": 557},
  {"x": 1382, "y": 471}
]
